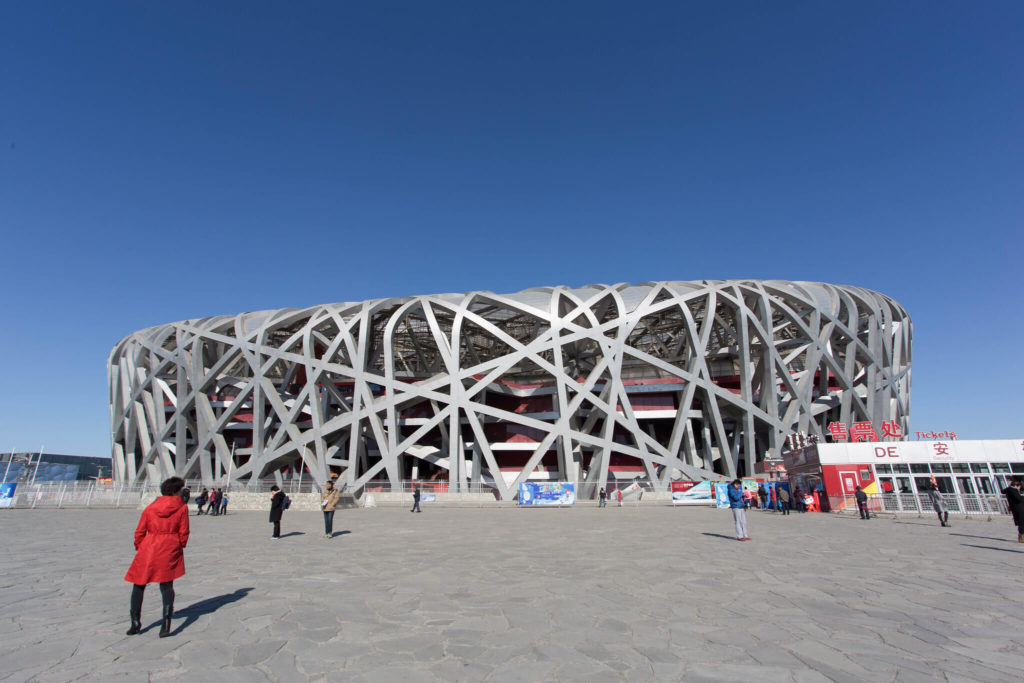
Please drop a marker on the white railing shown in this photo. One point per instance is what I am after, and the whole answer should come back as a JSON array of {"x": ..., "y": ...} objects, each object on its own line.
[
  {"x": 77, "y": 494},
  {"x": 921, "y": 503}
]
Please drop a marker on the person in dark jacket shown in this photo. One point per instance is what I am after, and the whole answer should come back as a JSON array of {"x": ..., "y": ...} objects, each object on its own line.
[
  {"x": 1015, "y": 501},
  {"x": 862, "y": 503},
  {"x": 739, "y": 517},
  {"x": 201, "y": 500},
  {"x": 415, "y": 499},
  {"x": 762, "y": 493},
  {"x": 784, "y": 500},
  {"x": 602, "y": 498},
  {"x": 160, "y": 540},
  {"x": 276, "y": 508}
]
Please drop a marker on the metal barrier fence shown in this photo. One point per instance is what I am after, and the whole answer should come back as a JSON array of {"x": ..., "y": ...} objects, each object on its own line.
[
  {"x": 77, "y": 494},
  {"x": 921, "y": 503}
]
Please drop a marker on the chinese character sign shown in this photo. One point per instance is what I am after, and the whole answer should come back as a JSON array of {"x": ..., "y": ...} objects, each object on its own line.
[
  {"x": 863, "y": 431},
  {"x": 838, "y": 431},
  {"x": 891, "y": 430}
]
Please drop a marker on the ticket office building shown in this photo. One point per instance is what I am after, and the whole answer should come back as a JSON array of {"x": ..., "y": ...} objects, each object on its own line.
[{"x": 958, "y": 468}]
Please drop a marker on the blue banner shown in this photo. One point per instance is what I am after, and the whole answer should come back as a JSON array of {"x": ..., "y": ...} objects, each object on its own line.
[
  {"x": 7, "y": 494},
  {"x": 543, "y": 493}
]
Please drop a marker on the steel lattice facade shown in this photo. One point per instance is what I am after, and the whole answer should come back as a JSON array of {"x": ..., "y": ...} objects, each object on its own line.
[{"x": 657, "y": 381}]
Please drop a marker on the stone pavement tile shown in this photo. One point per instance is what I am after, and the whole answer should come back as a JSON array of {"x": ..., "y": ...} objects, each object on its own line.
[
  {"x": 516, "y": 672},
  {"x": 254, "y": 653},
  {"x": 774, "y": 656},
  {"x": 459, "y": 671},
  {"x": 23, "y": 675},
  {"x": 36, "y": 655},
  {"x": 409, "y": 643},
  {"x": 910, "y": 676},
  {"x": 725, "y": 671},
  {"x": 280, "y": 666},
  {"x": 585, "y": 674},
  {"x": 810, "y": 676},
  {"x": 829, "y": 661},
  {"x": 397, "y": 675},
  {"x": 1013, "y": 660}
]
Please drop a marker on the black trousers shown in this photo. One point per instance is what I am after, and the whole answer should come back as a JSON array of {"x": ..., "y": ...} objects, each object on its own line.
[
  {"x": 277, "y": 529},
  {"x": 863, "y": 507},
  {"x": 328, "y": 522},
  {"x": 138, "y": 591}
]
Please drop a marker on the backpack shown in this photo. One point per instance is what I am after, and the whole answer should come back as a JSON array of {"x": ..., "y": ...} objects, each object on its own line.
[{"x": 287, "y": 503}]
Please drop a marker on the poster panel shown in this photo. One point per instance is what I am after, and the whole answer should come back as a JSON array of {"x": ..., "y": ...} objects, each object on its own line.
[
  {"x": 7, "y": 494},
  {"x": 692, "y": 493},
  {"x": 722, "y": 494},
  {"x": 547, "y": 493}
]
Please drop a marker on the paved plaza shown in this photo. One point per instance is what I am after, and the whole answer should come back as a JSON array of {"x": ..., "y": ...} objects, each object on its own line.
[{"x": 584, "y": 594}]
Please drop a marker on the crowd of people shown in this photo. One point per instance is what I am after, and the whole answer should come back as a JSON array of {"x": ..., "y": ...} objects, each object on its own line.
[{"x": 214, "y": 501}]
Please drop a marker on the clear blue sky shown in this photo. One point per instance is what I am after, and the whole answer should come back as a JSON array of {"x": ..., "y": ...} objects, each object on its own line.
[{"x": 163, "y": 161}]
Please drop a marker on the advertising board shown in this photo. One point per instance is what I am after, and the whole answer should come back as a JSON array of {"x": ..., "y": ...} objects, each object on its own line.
[
  {"x": 692, "y": 493},
  {"x": 7, "y": 494},
  {"x": 536, "y": 493}
]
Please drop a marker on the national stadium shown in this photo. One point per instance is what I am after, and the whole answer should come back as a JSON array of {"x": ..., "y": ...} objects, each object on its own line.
[{"x": 596, "y": 385}]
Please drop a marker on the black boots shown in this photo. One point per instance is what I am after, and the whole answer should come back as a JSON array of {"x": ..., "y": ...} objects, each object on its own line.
[
  {"x": 165, "y": 625},
  {"x": 136, "y": 624}
]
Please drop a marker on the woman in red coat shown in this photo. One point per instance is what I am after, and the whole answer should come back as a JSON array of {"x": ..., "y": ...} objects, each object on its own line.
[{"x": 160, "y": 540}]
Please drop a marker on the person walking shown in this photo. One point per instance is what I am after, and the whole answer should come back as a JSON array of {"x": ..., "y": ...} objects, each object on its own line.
[
  {"x": 602, "y": 498},
  {"x": 160, "y": 540},
  {"x": 784, "y": 500},
  {"x": 938, "y": 505},
  {"x": 223, "y": 501},
  {"x": 762, "y": 494},
  {"x": 211, "y": 509},
  {"x": 736, "y": 503},
  {"x": 201, "y": 499},
  {"x": 862, "y": 503},
  {"x": 276, "y": 509},
  {"x": 415, "y": 499},
  {"x": 618, "y": 495},
  {"x": 186, "y": 493},
  {"x": 328, "y": 501},
  {"x": 1015, "y": 501}
]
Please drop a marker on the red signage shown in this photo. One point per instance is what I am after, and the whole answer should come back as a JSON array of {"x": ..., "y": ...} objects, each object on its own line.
[
  {"x": 926, "y": 436},
  {"x": 682, "y": 486},
  {"x": 864, "y": 431}
]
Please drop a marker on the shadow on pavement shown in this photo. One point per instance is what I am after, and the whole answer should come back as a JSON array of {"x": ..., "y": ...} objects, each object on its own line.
[
  {"x": 987, "y": 538},
  {"x": 293, "y": 533},
  {"x": 992, "y": 547},
  {"x": 728, "y": 538},
  {"x": 207, "y": 606},
  {"x": 340, "y": 533}
]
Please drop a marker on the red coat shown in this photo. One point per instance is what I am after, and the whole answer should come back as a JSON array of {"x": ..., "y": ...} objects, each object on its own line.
[{"x": 160, "y": 539}]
